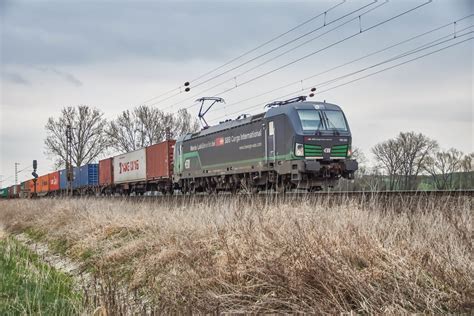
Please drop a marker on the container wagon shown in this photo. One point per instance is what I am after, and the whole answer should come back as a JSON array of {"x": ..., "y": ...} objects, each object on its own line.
[
  {"x": 146, "y": 169},
  {"x": 129, "y": 172},
  {"x": 4, "y": 193},
  {"x": 106, "y": 176},
  {"x": 159, "y": 167},
  {"x": 85, "y": 180},
  {"x": 42, "y": 185},
  {"x": 25, "y": 189},
  {"x": 14, "y": 191},
  {"x": 54, "y": 188}
]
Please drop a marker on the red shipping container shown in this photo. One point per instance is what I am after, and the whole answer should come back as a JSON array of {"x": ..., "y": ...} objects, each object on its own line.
[
  {"x": 159, "y": 160},
  {"x": 42, "y": 184},
  {"x": 106, "y": 174},
  {"x": 53, "y": 179},
  {"x": 31, "y": 183},
  {"x": 13, "y": 191}
]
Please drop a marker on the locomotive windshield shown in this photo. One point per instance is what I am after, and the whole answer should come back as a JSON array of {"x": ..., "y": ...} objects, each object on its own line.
[
  {"x": 335, "y": 120},
  {"x": 315, "y": 120}
]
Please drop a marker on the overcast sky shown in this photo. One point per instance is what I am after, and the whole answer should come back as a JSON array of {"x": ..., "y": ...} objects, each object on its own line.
[{"x": 114, "y": 55}]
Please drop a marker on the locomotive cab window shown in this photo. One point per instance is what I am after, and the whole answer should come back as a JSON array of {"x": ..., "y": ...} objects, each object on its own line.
[
  {"x": 335, "y": 120},
  {"x": 310, "y": 120},
  {"x": 328, "y": 120}
]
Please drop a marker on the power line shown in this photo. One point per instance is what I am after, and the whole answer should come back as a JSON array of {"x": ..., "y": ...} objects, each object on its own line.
[
  {"x": 398, "y": 65},
  {"x": 329, "y": 46},
  {"x": 244, "y": 54},
  {"x": 417, "y": 50},
  {"x": 284, "y": 44},
  {"x": 350, "y": 62},
  {"x": 271, "y": 40},
  {"x": 319, "y": 50},
  {"x": 264, "y": 54}
]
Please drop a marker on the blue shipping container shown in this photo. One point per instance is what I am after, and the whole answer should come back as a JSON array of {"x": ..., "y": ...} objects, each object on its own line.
[
  {"x": 62, "y": 179},
  {"x": 87, "y": 175}
]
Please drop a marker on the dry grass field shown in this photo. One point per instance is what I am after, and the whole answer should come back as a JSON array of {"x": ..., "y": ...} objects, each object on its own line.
[{"x": 248, "y": 255}]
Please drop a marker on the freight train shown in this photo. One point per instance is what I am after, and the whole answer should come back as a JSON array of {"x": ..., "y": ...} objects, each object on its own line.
[{"x": 295, "y": 144}]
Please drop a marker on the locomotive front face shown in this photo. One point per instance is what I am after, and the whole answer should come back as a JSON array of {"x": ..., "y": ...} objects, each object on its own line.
[
  {"x": 321, "y": 143},
  {"x": 323, "y": 134}
]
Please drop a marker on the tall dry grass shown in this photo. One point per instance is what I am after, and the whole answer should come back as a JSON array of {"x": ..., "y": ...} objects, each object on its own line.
[{"x": 252, "y": 255}]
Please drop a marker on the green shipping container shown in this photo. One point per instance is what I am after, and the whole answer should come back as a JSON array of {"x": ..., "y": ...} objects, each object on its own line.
[{"x": 4, "y": 193}]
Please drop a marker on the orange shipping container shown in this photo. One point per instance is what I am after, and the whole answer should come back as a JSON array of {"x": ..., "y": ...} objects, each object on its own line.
[
  {"x": 159, "y": 160},
  {"x": 53, "y": 181},
  {"x": 42, "y": 185}
]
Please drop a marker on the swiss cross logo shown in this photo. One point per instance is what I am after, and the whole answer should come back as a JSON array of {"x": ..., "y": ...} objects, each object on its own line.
[
  {"x": 219, "y": 141},
  {"x": 327, "y": 150}
]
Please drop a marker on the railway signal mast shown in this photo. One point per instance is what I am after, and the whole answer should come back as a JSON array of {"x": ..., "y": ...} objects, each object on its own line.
[
  {"x": 35, "y": 177},
  {"x": 69, "y": 171}
]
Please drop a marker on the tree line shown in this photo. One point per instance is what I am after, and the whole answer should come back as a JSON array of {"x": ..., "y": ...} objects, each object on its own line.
[
  {"x": 410, "y": 161},
  {"x": 93, "y": 136}
]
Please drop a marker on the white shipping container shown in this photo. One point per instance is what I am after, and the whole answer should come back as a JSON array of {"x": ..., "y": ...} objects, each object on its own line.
[{"x": 130, "y": 167}]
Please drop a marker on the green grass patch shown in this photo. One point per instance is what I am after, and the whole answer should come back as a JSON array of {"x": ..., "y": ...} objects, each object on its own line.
[
  {"x": 35, "y": 234},
  {"x": 31, "y": 287}
]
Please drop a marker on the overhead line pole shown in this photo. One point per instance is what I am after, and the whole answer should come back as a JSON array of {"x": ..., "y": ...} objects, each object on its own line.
[{"x": 16, "y": 177}]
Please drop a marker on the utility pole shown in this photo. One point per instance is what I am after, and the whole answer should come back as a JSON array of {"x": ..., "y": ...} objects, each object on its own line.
[
  {"x": 15, "y": 188},
  {"x": 69, "y": 171}
]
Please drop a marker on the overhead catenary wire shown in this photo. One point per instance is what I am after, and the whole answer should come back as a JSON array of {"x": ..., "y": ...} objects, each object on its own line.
[
  {"x": 407, "y": 53},
  {"x": 269, "y": 41},
  {"x": 413, "y": 51},
  {"x": 281, "y": 46},
  {"x": 329, "y": 46},
  {"x": 285, "y": 44},
  {"x": 300, "y": 81},
  {"x": 13, "y": 175},
  {"x": 374, "y": 26},
  {"x": 342, "y": 77},
  {"x": 179, "y": 88}
]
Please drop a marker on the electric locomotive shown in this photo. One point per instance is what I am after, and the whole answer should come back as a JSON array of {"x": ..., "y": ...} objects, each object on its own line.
[{"x": 295, "y": 144}]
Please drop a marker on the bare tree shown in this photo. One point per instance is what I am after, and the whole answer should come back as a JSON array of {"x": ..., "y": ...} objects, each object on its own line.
[
  {"x": 466, "y": 163},
  {"x": 415, "y": 148},
  {"x": 146, "y": 125},
  {"x": 389, "y": 158},
  {"x": 88, "y": 135},
  {"x": 468, "y": 171},
  {"x": 442, "y": 165}
]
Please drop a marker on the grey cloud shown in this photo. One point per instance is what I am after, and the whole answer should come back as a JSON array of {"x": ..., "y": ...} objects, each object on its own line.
[
  {"x": 62, "y": 74},
  {"x": 65, "y": 33},
  {"x": 15, "y": 78},
  {"x": 72, "y": 32}
]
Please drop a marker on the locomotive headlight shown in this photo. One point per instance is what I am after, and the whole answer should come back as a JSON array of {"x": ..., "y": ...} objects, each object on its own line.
[
  {"x": 299, "y": 150},
  {"x": 349, "y": 152}
]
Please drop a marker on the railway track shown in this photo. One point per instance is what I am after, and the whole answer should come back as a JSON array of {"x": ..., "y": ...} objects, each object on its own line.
[
  {"x": 316, "y": 197},
  {"x": 380, "y": 198}
]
